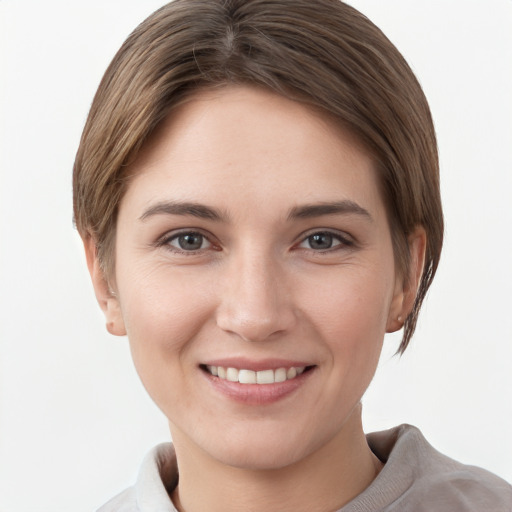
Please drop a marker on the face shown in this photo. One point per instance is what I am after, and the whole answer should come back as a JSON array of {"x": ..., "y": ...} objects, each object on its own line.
[{"x": 254, "y": 276}]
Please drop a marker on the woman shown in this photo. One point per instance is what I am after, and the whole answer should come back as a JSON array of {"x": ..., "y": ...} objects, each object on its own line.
[{"x": 257, "y": 190}]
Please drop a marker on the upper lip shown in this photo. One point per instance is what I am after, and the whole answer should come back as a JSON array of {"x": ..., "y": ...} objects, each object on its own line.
[{"x": 256, "y": 365}]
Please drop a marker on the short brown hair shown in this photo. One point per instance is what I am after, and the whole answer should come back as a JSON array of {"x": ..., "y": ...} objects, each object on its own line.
[{"x": 323, "y": 53}]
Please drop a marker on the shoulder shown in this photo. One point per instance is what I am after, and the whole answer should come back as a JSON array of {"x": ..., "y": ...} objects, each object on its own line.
[
  {"x": 123, "y": 502},
  {"x": 467, "y": 489},
  {"x": 157, "y": 478},
  {"x": 428, "y": 480}
]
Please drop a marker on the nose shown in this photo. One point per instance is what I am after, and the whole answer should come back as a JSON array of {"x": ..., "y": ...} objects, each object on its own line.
[{"x": 255, "y": 302}]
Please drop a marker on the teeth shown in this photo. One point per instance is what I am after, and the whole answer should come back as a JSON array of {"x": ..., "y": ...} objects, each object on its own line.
[
  {"x": 247, "y": 377},
  {"x": 232, "y": 375},
  {"x": 251, "y": 377},
  {"x": 280, "y": 375},
  {"x": 265, "y": 377}
]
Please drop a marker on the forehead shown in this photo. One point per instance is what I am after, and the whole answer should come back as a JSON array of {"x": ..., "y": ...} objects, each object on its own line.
[{"x": 252, "y": 144}]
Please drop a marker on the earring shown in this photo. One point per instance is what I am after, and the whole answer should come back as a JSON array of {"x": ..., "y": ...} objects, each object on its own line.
[{"x": 399, "y": 318}]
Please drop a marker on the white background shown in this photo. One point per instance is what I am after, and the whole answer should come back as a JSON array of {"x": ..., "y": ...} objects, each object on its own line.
[{"x": 74, "y": 419}]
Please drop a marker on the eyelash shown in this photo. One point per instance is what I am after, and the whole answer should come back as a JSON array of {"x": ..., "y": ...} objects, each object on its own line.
[
  {"x": 343, "y": 241},
  {"x": 168, "y": 238}
]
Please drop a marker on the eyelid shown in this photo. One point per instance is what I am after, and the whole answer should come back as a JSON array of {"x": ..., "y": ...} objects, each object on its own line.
[
  {"x": 164, "y": 240},
  {"x": 344, "y": 238}
]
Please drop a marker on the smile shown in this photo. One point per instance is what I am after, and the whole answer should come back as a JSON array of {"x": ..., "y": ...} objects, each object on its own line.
[{"x": 244, "y": 376}]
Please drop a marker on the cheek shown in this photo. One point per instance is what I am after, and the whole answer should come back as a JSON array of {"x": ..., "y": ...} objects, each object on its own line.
[
  {"x": 350, "y": 313},
  {"x": 161, "y": 301},
  {"x": 352, "y": 305},
  {"x": 162, "y": 312}
]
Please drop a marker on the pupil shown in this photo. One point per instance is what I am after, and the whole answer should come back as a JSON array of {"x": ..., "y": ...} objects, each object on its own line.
[
  {"x": 191, "y": 241},
  {"x": 320, "y": 241}
]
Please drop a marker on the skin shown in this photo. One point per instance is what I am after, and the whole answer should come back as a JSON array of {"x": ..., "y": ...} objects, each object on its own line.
[{"x": 257, "y": 289}]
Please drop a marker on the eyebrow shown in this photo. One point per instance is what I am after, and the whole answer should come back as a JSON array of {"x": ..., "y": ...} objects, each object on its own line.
[
  {"x": 202, "y": 211},
  {"x": 330, "y": 208},
  {"x": 183, "y": 208}
]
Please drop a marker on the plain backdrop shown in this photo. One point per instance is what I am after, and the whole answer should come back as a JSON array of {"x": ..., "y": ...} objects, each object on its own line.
[{"x": 75, "y": 421}]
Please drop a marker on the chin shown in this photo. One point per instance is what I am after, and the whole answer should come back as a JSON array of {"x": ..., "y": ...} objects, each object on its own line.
[
  {"x": 253, "y": 457},
  {"x": 260, "y": 450}
]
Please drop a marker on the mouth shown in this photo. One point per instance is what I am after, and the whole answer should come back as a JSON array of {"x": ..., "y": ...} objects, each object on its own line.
[
  {"x": 256, "y": 383},
  {"x": 246, "y": 376}
]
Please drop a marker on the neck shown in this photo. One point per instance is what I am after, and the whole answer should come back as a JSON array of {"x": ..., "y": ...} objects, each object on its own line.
[{"x": 325, "y": 480}]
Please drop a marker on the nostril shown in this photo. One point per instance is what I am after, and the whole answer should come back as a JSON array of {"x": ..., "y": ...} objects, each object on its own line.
[{"x": 253, "y": 326}]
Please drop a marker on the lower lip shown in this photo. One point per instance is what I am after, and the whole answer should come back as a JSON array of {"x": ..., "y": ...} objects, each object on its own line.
[{"x": 257, "y": 394}]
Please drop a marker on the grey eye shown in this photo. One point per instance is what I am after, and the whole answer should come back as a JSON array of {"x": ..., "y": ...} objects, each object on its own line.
[
  {"x": 190, "y": 242},
  {"x": 320, "y": 241}
]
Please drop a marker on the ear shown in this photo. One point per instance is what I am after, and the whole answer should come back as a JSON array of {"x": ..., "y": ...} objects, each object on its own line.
[
  {"x": 107, "y": 299},
  {"x": 407, "y": 286}
]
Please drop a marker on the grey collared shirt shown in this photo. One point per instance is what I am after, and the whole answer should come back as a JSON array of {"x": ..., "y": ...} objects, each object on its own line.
[{"x": 415, "y": 478}]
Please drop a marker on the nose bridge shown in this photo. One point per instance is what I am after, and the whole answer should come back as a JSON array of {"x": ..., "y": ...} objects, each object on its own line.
[{"x": 255, "y": 302}]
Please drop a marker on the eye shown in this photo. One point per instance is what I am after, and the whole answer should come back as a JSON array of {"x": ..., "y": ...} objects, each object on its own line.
[
  {"x": 323, "y": 241},
  {"x": 189, "y": 241}
]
